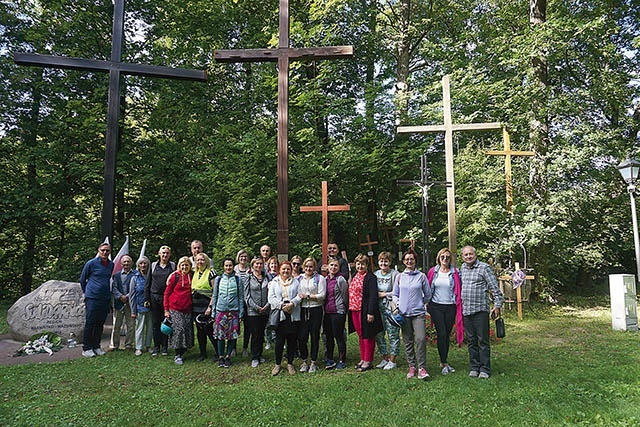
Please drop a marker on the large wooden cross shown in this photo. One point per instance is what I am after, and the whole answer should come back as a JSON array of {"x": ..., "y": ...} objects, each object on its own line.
[
  {"x": 325, "y": 208},
  {"x": 115, "y": 67},
  {"x": 283, "y": 55},
  {"x": 507, "y": 153},
  {"x": 448, "y": 128}
]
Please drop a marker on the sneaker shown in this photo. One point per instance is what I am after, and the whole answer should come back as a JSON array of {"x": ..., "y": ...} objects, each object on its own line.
[
  {"x": 423, "y": 374},
  {"x": 447, "y": 369},
  {"x": 245, "y": 353},
  {"x": 138, "y": 352},
  {"x": 233, "y": 353},
  {"x": 341, "y": 365},
  {"x": 390, "y": 365},
  {"x": 313, "y": 368},
  {"x": 304, "y": 367},
  {"x": 88, "y": 353},
  {"x": 255, "y": 363},
  {"x": 411, "y": 373},
  {"x": 382, "y": 364},
  {"x": 329, "y": 364},
  {"x": 165, "y": 352},
  {"x": 276, "y": 370},
  {"x": 267, "y": 346},
  {"x": 483, "y": 375},
  {"x": 291, "y": 369},
  {"x": 221, "y": 363},
  {"x": 99, "y": 352},
  {"x": 227, "y": 362},
  {"x": 474, "y": 374},
  {"x": 262, "y": 360},
  {"x": 154, "y": 352},
  {"x": 177, "y": 360}
]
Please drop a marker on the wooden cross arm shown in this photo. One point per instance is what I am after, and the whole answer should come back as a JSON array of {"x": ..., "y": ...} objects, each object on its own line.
[
  {"x": 71, "y": 63},
  {"x": 442, "y": 128},
  {"x": 512, "y": 153},
  {"x": 272, "y": 55},
  {"x": 332, "y": 208}
]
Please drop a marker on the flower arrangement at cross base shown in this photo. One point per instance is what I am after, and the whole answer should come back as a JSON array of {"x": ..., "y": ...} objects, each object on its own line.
[{"x": 43, "y": 342}]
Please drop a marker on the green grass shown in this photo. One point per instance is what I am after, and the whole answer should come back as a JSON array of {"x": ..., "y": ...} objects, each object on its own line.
[{"x": 559, "y": 366}]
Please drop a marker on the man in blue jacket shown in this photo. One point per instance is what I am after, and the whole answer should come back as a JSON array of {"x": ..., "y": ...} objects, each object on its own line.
[{"x": 95, "y": 281}]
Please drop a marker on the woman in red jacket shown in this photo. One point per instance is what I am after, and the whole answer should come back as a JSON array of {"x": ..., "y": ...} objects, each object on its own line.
[
  {"x": 365, "y": 316},
  {"x": 177, "y": 307}
]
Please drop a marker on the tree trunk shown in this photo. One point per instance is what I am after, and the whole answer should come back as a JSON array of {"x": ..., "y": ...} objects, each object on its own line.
[
  {"x": 403, "y": 57},
  {"x": 539, "y": 139},
  {"x": 31, "y": 225}
]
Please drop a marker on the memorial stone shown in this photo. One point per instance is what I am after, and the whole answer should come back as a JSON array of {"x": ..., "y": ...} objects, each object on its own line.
[{"x": 56, "y": 306}]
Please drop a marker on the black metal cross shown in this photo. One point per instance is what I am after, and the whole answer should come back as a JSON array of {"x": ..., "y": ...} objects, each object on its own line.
[
  {"x": 424, "y": 185},
  {"x": 115, "y": 67}
]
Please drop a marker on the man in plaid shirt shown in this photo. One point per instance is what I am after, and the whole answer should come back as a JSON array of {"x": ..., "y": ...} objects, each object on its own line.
[{"x": 477, "y": 280}]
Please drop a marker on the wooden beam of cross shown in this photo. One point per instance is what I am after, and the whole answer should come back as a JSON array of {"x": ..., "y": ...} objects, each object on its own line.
[
  {"x": 507, "y": 153},
  {"x": 325, "y": 208},
  {"x": 115, "y": 67},
  {"x": 518, "y": 289},
  {"x": 283, "y": 55},
  {"x": 369, "y": 244},
  {"x": 448, "y": 128}
]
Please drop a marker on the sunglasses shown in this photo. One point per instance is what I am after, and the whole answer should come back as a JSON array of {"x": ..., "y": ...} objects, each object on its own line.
[{"x": 445, "y": 257}]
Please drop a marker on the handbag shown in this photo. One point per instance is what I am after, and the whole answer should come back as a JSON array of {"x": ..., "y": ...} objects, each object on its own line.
[
  {"x": 500, "y": 332},
  {"x": 274, "y": 319}
]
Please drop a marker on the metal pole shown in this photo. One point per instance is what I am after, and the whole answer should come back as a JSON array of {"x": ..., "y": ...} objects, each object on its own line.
[{"x": 634, "y": 218}]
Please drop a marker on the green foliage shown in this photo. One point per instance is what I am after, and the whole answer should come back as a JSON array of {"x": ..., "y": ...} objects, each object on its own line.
[{"x": 199, "y": 160}]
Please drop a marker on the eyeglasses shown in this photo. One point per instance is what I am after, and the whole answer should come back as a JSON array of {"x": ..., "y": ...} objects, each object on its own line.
[
  {"x": 445, "y": 257},
  {"x": 295, "y": 263},
  {"x": 105, "y": 250}
]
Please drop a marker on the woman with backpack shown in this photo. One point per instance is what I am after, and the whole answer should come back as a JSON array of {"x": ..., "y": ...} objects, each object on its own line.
[{"x": 227, "y": 308}]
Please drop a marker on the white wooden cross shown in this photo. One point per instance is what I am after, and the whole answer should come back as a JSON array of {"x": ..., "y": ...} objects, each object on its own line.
[{"x": 448, "y": 128}]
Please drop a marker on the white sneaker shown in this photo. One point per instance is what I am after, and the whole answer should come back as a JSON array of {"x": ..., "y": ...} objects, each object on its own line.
[
  {"x": 382, "y": 364},
  {"x": 390, "y": 365},
  {"x": 474, "y": 374},
  {"x": 88, "y": 353},
  {"x": 255, "y": 363},
  {"x": 483, "y": 375},
  {"x": 177, "y": 360},
  {"x": 313, "y": 368},
  {"x": 304, "y": 367},
  {"x": 138, "y": 352},
  {"x": 98, "y": 351}
]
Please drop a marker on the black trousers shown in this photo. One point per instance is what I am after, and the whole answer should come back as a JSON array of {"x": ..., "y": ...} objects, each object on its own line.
[
  {"x": 334, "y": 330},
  {"x": 476, "y": 329},
  {"x": 443, "y": 316},
  {"x": 255, "y": 326},
  {"x": 157, "y": 316},
  {"x": 310, "y": 326}
]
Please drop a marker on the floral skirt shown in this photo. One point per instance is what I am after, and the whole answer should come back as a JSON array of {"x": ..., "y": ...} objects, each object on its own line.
[
  {"x": 182, "y": 336},
  {"x": 227, "y": 326}
]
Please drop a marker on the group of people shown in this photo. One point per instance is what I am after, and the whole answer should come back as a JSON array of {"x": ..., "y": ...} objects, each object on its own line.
[{"x": 293, "y": 305}]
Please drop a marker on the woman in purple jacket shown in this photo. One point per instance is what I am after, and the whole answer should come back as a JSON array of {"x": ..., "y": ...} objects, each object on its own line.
[{"x": 411, "y": 293}]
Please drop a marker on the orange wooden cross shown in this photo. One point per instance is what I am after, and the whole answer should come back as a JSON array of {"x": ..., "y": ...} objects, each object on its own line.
[
  {"x": 325, "y": 208},
  {"x": 369, "y": 244},
  {"x": 507, "y": 153}
]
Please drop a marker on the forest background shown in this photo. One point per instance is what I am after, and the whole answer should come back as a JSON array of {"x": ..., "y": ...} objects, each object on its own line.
[{"x": 198, "y": 161}]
